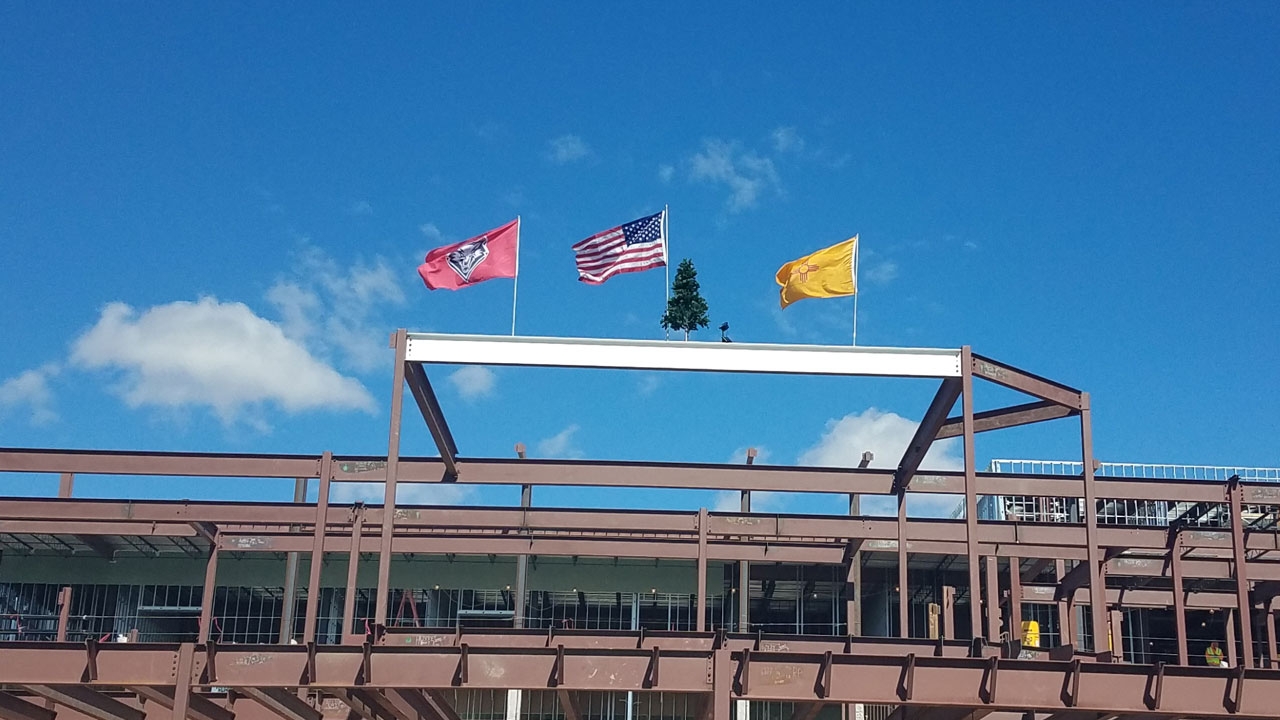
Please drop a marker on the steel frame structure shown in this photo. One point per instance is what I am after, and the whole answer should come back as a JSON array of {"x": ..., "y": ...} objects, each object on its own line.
[{"x": 391, "y": 674}]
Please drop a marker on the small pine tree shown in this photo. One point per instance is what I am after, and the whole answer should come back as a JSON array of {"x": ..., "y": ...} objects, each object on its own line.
[{"x": 686, "y": 310}]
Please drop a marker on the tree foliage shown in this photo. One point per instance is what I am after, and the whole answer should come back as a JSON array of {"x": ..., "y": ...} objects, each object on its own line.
[{"x": 686, "y": 309}]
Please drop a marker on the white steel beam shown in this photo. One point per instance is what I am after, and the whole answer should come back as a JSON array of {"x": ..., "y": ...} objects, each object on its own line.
[{"x": 682, "y": 356}]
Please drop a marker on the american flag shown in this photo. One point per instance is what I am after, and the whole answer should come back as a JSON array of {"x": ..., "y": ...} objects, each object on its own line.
[{"x": 635, "y": 246}]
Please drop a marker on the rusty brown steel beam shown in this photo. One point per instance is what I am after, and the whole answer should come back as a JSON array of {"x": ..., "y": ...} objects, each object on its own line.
[
  {"x": 569, "y": 705},
  {"x": 429, "y": 406},
  {"x": 110, "y": 462},
  {"x": 13, "y": 707},
  {"x": 414, "y": 702},
  {"x": 1012, "y": 416},
  {"x": 1023, "y": 685},
  {"x": 503, "y": 471},
  {"x": 363, "y": 704},
  {"x": 1142, "y": 597},
  {"x": 441, "y": 704},
  {"x": 280, "y": 701},
  {"x": 92, "y": 528},
  {"x": 199, "y": 707},
  {"x": 758, "y": 551},
  {"x": 1022, "y": 381},
  {"x": 926, "y": 432},
  {"x": 88, "y": 701}
]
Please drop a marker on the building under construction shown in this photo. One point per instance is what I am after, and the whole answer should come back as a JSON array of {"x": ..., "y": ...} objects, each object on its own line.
[{"x": 1068, "y": 590}]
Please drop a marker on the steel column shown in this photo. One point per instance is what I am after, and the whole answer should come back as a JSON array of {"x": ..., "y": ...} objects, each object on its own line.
[
  {"x": 1115, "y": 634},
  {"x": 744, "y": 568},
  {"x": 1179, "y": 600},
  {"x": 970, "y": 490},
  {"x": 904, "y": 579},
  {"x": 207, "y": 593},
  {"x": 401, "y": 343},
  {"x": 993, "y": 599},
  {"x": 353, "y": 567},
  {"x": 1097, "y": 593},
  {"x": 290, "y": 604},
  {"x": 1015, "y": 598},
  {"x": 1244, "y": 608},
  {"x": 701, "y": 605},
  {"x": 1231, "y": 637},
  {"x": 64, "y": 612},
  {"x": 317, "y": 548},
  {"x": 522, "y": 561},
  {"x": 1272, "y": 659},
  {"x": 182, "y": 681},
  {"x": 948, "y": 612}
]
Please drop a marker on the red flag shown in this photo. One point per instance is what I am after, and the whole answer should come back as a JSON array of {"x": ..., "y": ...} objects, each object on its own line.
[{"x": 494, "y": 254}]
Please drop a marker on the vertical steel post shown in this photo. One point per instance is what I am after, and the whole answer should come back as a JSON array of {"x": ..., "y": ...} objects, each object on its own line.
[
  {"x": 1015, "y": 598},
  {"x": 290, "y": 605},
  {"x": 66, "y": 482},
  {"x": 1235, "y": 495},
  {"x": 353, "y": 568},
  {"x": 1115, "y": 636},
  {"x": 64, "y": 612},
  {"x": 401, "y": 342},
  {"x": 1231, "y": 637},
  {"x": 853, "y": 606},
  {"x": 744, "y": 572},
  {"x": 1097, "y": 592},
  {"x": 701, "y": 606},
  {"x": 317, "y": 548},
  {"x": 948, "y": 612},
  {"x": 182, "y": 681},
  {"x": 970, "y": 490},
  {"x": 210, "y": 586},
  {"x": 1269, "y": 608},
  {"x": 993, "y": 599},
  {"x": 904, "y": 593},
  {"x": 1179, "y": 599},
  {"x": 722, "y": 686},
  {"x": 522, "y": 564}
]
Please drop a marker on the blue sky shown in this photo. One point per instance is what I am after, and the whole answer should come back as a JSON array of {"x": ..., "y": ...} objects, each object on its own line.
[{"x": 196, "y": 200}]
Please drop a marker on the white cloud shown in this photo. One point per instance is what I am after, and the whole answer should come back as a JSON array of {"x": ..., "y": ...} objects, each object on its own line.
[
  {"x": 30, "y": 389},
  {"x": 560, "y": 445},
  {"x": 214, "y": 354},
  {"x": 406, "y": 493},
  {"x": 473, "y": 381},
  {"x": 886, "y": 435},
  {"x": 334, "y": 307},
  {"x": 566, "y": 149},
  {"x": 648, "y": 384},
  {"x": 361, "y": 207},
  {"x": 880, "y": 273},
  {"x": 666, "y": 172},
  {"x": 786, "y": 139},
  {"x": 431, "y": 232},
  {"x": 745, "y": 173}
]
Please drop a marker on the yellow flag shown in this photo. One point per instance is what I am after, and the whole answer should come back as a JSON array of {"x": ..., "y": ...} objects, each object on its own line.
[{"x": 827, "y": 273}]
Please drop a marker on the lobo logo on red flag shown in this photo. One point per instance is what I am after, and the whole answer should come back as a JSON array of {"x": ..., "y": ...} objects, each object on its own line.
[{"x": 483, "y": 257}]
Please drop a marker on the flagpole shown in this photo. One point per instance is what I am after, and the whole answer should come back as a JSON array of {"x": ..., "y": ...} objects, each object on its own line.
[
  {"x": 666, "y": 260},
  {"x": 515, "y": 286},
  {"x": 857, "y": 249}
]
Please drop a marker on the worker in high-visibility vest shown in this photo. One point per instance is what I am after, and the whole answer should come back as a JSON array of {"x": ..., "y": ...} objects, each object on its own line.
[{"x": 1213, "y": 655}]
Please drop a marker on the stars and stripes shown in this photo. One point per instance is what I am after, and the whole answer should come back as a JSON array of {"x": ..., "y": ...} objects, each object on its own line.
[{"x": 635, "y": 246}]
